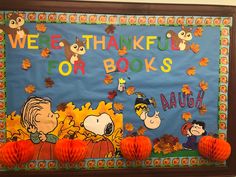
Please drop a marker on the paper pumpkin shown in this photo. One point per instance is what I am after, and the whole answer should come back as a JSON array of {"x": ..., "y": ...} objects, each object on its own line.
[
  {"x": 99, "y": 149},
  {"x": 214, "y": 149},
  {"x": 136, "y": 147},
  {"x": 44, "y": 151},
  {"x": 16, "y": 153},
  {"x": 70, "y": 150}
]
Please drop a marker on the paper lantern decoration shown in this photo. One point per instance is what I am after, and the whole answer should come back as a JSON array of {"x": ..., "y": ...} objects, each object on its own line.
[
  {"x": 99, "y": 149},
  {"x": 214, "y": 149},
  {"x": 70, "y": 150},
  {"x": 136, "y": 147},
  {"x": 16, "y": 153}
]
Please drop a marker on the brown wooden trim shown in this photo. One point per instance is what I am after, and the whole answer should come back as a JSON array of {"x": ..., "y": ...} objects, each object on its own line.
[{"x": 146, "y": 9}]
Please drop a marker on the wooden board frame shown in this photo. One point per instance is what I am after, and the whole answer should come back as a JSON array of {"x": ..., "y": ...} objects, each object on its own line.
[{"x": 144, "y": 9}]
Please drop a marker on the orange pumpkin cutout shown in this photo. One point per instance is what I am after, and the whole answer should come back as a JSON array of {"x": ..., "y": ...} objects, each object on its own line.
[
  {"x": 136, "y": 147},
  {"x": 44, "y": 151},
  {"x": 100, "y": 149},
  {"x": 16, "y": 153},
  {"x": 70, "y": 151},
  {"x": 214, "y": 149}
]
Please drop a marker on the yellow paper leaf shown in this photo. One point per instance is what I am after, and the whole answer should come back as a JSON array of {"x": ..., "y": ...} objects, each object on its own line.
[
  {"x": 26, "y": 64},
  {"x": 130, "y": 90},
  {"x": 186, "y": 89},
  {"x": 156, "y": 148},
  {"x": 41, "y": 27},
  {"x": 203, "y": 85},
  {"x": 118, "y": 106},
  {"x": 45, "y": 52},
  {"x": 178, "y": 147},
  {"x": 108, "y": 79}
]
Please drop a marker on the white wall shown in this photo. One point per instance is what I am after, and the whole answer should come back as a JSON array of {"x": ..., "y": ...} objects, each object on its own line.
[{"x": 213, "y": 2}]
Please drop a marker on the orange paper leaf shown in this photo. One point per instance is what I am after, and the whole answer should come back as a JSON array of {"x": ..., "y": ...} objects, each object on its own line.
[
  {"x": 41, "y": 27},
  {"x": 108, "y": 79},
  {"x": 26, "y": 64},
  {"x": 204, "y": 61},
  {"x": 45, "y": 52},
  {"x": 156, "y": 148},
  {"x": 178, "y": 147},
  {"x": 195, "y": 48},
  {"x": 129, "y": 127},
  {"x": 203, "y": 85},
  {"x": 186, "y": 116},
  {"x": 130, "y": 90},
  {"x": 118, "y": 106},
  {"x": 202, "y": 110},
  {"x": 198, "y": 32},
  {"x": 141, "y": 130},
  {"x": 191, "y": 71},
  {"x": 30, "y": 89},
  {"x": 186, "y": 89}
]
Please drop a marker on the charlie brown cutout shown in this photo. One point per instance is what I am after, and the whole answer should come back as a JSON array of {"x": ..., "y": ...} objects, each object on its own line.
[{"x": 39, "y": 120}]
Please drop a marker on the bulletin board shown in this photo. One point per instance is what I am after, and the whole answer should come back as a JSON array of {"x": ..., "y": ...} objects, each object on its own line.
[{"x": 104, "y": 76}]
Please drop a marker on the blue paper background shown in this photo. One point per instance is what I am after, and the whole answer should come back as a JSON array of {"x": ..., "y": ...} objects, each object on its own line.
[{"x": 81, "y": 89}]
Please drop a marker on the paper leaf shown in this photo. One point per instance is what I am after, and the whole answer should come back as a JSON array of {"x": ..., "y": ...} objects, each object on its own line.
[
  {"x": 48, "y": 82},
  {"x": 45, "y": 52},
  {"x": 130, "y": 90},
  {"x": 26, "y": 64},
  {"x": 202, "y": 110},
  {"x": 156, "y": 148},
  {"x": 122, "y": 52},
  {"x": 203, "y": 85},
  {"x": 198, "y": 32},
  {"x": 195, "y": 48},
  {"x": 204, "y": 61},
  {"x": 129, "y": 127},
  {"x": 118, "y": 106},
  {"x": 112, "y": 94},
  {"x": 191, "y": 71},
  {"x": 178, "y": 147},
  {"x": 110, "y": 29},
  {"x": 30, "y": 89},
  {"x": 141, "y": 130},
  {"x": 186, "y": 89},
  {"x": 41, "y": 27},
  {"x": 186, "y": 116},
  {"x": 108, "y": 79}
]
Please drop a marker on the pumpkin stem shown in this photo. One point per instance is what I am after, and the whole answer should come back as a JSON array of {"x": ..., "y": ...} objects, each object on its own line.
[
  {"x": 134, "y": 134},
  {"x": 72, "y": 136}
]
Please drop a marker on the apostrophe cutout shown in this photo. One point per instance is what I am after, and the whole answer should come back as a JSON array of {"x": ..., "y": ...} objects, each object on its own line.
[
  {"x": 186, "y": 116},
  {"x": 110, "y": 29},
  {"x": 45, "y": 53},
  {"x": 26, "y": 64},
  {"x": 198, "y": 32},
  {"x": 130, "y": 90},
  {"x": 186, "y": 89},
  {"x": 203, "y": 85},
  {"x": 49, "y": 82},
  {"x": 108, "y": 79},
  {"x": 204, "y": 61},
  {"x": 41, "y": 27},
  {"x": 122, "y": 52},
  {"x": 30, "y": 89},
  {"x": 191, "y": 71},
  {"x": 202, "y": 110}
]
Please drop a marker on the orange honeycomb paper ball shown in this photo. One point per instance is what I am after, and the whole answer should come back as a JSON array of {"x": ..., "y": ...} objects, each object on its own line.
[
  {"x": 136, "y": 147},
  {"x": 214, "y": 149},
  {"x": 70, "y": 151},
  {"x": 16, "y": 153}
]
